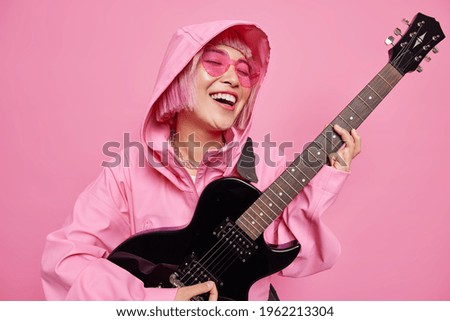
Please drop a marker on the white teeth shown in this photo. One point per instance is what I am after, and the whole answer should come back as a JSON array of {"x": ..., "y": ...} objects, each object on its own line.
[{"x": 228, "y": 97}]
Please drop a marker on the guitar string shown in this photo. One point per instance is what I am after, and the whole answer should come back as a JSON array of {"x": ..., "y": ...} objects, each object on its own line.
[
  {"x": 221, "y": 254},
  {"x": 207, "y": 268},
  {"x": 224, "y": 266},
  {"x": 240, "y": 231},
  {"x": 407, "y": 48},
  {"x": 237, "y": 229},
  {"x": 224, "y": 262},
  {"x": 215, "y": 255},
  {"x": 183, "y": 278},
  {"x": 220, "y": 244},
  {"x": 402, "y": 52},
  {"x": 421, "y": 49}
]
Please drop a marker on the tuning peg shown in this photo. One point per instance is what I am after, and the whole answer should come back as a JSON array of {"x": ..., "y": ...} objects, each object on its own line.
[
  {"x": 389, "y": 41},
  {"x": 397, "y": 32},
  {"x": 435, "y": 50},
  {"x": 406, "y": 21},
  {"x": 427, "y": 59},
  {"x": 419, "y": 69}
]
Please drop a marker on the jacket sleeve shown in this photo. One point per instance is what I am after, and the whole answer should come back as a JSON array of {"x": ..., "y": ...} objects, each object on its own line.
[
  {"x": 74, "y": 264},
  {"x": 302, "y": 220}
]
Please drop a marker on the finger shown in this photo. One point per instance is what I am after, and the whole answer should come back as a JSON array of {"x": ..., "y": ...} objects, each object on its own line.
[
  {"x": 213, "y": 293},
  {"x": 357, "y": 140},
  {"x": 345, "y": 135},
  {"x": 188, "y": 292},
  {"x": 200, "y": 288}
]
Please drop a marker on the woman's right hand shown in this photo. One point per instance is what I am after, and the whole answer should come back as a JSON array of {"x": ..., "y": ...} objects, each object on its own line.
[{"x": 188, "y": 292}]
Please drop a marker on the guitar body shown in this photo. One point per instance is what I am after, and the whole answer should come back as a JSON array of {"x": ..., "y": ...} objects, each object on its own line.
[{"x": 202, "y": 250}]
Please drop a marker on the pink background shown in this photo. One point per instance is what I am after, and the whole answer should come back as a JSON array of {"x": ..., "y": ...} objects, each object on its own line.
[{"x": 76, "y": 74}]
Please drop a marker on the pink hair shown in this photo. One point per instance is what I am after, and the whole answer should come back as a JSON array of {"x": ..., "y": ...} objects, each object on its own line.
[{"x": 179, "y": 95}]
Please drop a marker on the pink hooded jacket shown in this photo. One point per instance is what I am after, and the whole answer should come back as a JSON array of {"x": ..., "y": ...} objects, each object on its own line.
[{"x": 140, "y": 195}]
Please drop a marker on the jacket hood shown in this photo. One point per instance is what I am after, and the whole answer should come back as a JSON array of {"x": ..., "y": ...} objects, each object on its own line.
[{"x": 183, "y": 46}]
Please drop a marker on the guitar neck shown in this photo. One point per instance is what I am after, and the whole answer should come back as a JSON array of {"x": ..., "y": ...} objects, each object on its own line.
[{"x": 300, "y": 172}]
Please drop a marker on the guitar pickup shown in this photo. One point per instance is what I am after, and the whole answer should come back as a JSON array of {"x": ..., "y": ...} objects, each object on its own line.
[
  {"x": 235, "y": 240},
  {"x": 193, "y": 272}
]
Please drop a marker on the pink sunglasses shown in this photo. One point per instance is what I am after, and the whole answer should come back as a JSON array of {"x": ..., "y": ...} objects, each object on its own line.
[{"x": 217, "y": 61}]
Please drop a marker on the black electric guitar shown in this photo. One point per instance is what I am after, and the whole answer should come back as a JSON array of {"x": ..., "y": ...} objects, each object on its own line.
[{"x": 224, "y": 241}]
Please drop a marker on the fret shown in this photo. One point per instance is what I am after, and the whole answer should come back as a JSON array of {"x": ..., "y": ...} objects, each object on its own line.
[
  {"x": 255, "y": 217},
  {"x": 362, "y": 109},
  {"x": 333, "y": 138},
  {"x": 307, "y": 164},
  {"x": 246, "y": 229},
  {"x": 299, "y": 169},
  {"x": 337, "y": 143},
  {"x": 391, "y": 75},
  {"x": 263, "y": 222},
  {"x": 320, "y": 144},
  {"x": 355, "y": 113},
  {"x": 282, "y": 188},
  {"x": 292, "y": 180},
  {"x": 293, "y": 188},
  {"x": 270, "y": 204},
  {"x": 251, "y": 208},
  {"x": 320, "y": 156},
  {"x": 289, "y": 171},
  {"x": 352, "y": 120},
  {"x": 253, "y": 231},
  {"x": 261, "y": 215},
  {"x": 385, "y": 80},
  {"x": 309, "y": 171},
  {"x": 381, "y": 88},
  {"x": 365, "y": 103},
  {"x": 367, "y": 95},
  {"x": 278, "y": 195},
  {"x": 348, "y": 127},
  {"x": 252, "y": 224},
  {"x": 375, "y": 92}
]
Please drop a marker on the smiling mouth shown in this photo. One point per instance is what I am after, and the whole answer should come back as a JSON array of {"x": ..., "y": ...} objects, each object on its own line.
[{"x": 225, "y": 99}]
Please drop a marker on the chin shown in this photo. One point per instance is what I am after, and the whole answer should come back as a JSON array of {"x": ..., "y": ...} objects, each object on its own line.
[{"x": 224, "y": 125}]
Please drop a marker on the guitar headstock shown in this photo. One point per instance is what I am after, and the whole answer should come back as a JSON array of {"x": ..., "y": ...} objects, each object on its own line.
[{"x": 422, "y": 36}]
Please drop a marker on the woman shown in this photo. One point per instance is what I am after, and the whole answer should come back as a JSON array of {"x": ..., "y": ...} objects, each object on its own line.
[{"x": 194, "y": 132}]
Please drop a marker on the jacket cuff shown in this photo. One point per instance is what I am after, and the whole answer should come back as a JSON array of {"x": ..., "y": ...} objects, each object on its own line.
[
  {"x": 329, "y": 179},
  {"x": 160, "y": 294}
]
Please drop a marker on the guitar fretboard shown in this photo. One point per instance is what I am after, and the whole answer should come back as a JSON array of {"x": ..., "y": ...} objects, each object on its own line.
[{"x": 300, "y": 172}]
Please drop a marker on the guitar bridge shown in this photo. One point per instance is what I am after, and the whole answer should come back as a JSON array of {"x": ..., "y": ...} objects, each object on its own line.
[
  {"x": 193, "y": 272},
  {"x": 174, "y": 280},
  {"x": 236, "y": 239}
]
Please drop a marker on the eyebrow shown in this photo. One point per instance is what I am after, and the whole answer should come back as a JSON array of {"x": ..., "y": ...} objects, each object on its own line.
[
  {"x": 216, "y": 50},
  {"x": 223, "y": 53}
]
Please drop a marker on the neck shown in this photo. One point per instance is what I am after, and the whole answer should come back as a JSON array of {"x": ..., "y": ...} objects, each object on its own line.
[{"x": 193, "y": 140}]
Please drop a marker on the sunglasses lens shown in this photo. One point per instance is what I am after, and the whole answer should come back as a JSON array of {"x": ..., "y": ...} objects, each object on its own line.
[
  {"x": 216, "y": 62},
  {"x": 243, "y": 73}
]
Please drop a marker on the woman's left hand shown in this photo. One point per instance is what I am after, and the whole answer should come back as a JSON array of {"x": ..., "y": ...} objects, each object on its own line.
[{"x": 342, "y": 159}]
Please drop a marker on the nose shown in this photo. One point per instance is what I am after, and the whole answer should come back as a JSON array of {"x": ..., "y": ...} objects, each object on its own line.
[{"x": 230, "y": 77}]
